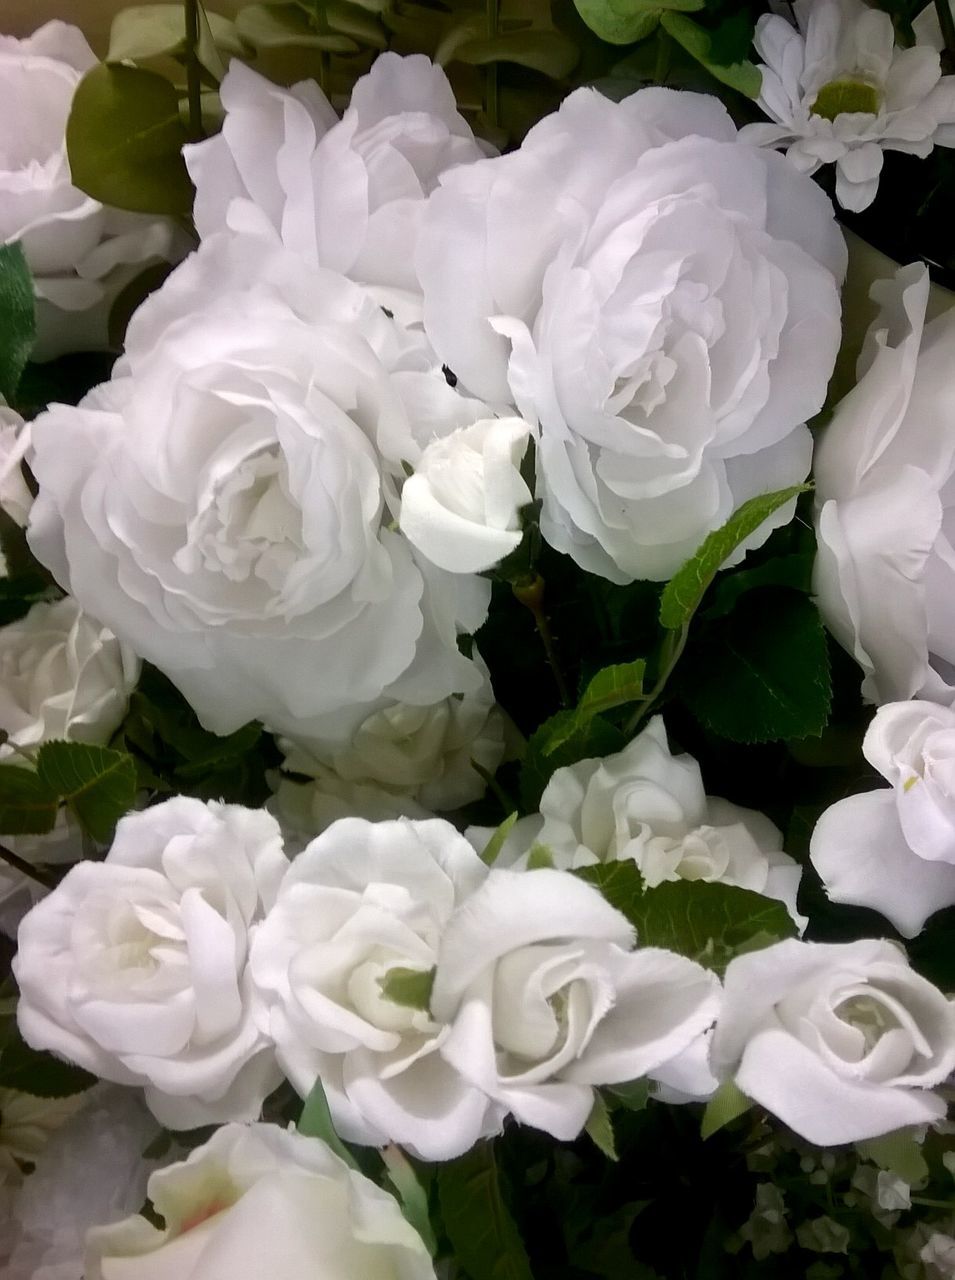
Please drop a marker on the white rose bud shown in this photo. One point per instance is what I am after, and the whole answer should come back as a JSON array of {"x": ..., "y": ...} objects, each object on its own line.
[
  {"x": 62, "y": 675},
  {"x": 366, "y": 904},
  {"x": 135, "y": 968},
  {"x": 262, "y": 1201},
  {"x": 894, "y": 851},
  {"x": 547, "y": 998},
  {"x": 460, "y": 508},
  {"x": 842, "y": 1042}
]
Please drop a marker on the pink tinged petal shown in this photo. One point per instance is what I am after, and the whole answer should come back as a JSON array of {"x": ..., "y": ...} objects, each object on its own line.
[
  {"x": 796, "y": 1086},
  {"x": 862, "y": 857}
]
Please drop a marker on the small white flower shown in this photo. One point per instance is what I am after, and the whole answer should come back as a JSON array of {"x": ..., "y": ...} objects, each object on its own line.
[
  {"x": 647, "y": 806},
  {"x": 259, "y": 1201},
  {"x": 547, "y": 999},
  {"x": 841, "y": 92},
  {"x": 367, "y": 903},
  {"x": 460, "y": 508},
  {"x": 62, "y": 675},
  {"x": 135, "y": 968},
  {"x": 81, "y": 255},
  {"x": 894, "y": 850},
  {"x": 841, "y": 1042}
]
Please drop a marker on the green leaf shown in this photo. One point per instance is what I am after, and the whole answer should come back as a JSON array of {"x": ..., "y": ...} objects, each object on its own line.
[
  {"x": 726, "y": 1104},
  {"x": 744, "y": 77},
  {"x": 316, "y": 1122},
  {"x": 899, "y": 1153},
  {"x": 411, "y": 1194},
  {"x": 549, "y": 52},
  {"x": 683, "y": 593},
  {"x": 125, "y": 137},
  {"x": 98, "y": 784},
  {"x": 496, "y": 843},
  {"x": 276, "y": 26},
  {"x": 151, "y": 30},
  {"x": 763, "y": 673},
  {"x": 540, "y": 856},
  {"x": 553, "y": 747},
  {"x": 709, "y": 923},
  {"x": 17, "y": 318},
  {"x": 27, "y": 805},
  {"x": 39, "y": 1074},
  {"x": 350, "y": 20},
  {"x": 633, "y": 1095},
  {"x": 599, "y": 1128},
  {"x": 484, "y": 1239},
  {"x": 627, "y": 21},
  {"x": 793, "y": 571},
  {"x": 612, "y": 687},
  {"x": 410, "y": 988}
]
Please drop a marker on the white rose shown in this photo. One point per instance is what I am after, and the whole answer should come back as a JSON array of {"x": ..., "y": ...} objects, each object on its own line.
[
  {"x": 62, "y": 675},
  {"x": 647, "y": 806},
  {"x": 420, "y": 754},
  {"x": 664, "y": 305},
  {"x": 135, "y": 968},
  {"x": 885, "y": 508},
  {"x": 262, "y": 1201},
  {"x": 221, "y": 502},
  {"x": 66, "y": 843},
  {"x": 305, "y": 809},
  {"x": 15, "y": 496},
  {"x": 894, "y": 850},
  {"x": 460, "y": 508},
  {"x": 81, "y": 254},
  {"x": 547, "y": 999},
  {"x": 365, "y": 903},
  {"x": 841, "y": 1042},
  {"x": 349, "y": 194}
]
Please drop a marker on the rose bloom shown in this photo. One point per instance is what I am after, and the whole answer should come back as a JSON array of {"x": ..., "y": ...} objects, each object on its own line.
[
  {"x": 62, "y": 675},
  {"x": 223, "y": 499},
  {"x": 135, "y": 968},
  {"x": 894, "y": 850},
  {"x": 259, "y": 1200},
  {"x": 842, "y": 1042},
  {"x": 349, "y": 194},
  {"x": 81, "y": 255},
  {"x": 546, "y": 997},
  {"x": 365, "y": 904},
  {"x": 647, "y": 806},
  {"x": 885, "y": 505},
  {"x": 663, "y": 305}
]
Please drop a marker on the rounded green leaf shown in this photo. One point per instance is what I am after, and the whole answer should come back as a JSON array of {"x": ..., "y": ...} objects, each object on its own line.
[
  {"x": 124, "y": 139},
  {"x": 151, "y": 30}
]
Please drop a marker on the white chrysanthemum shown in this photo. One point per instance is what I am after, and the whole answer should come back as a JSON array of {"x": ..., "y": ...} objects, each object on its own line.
[{"x": 841, "y": 92}]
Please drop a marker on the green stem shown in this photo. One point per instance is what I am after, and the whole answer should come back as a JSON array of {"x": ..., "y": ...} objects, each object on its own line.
[
  {"x": 664, "y": 48},
  {"x": 324, "y": 71},
  {"x": 27, "y": 869},
  {"x": 670, "y": 655},
  {"x": 492, "y": 106},
  {"x": 507, "y": 803},
  {"x": 531, "y": 595},
  {"x": 945, "y": 20},
  {"x": 193, "y": 78}
]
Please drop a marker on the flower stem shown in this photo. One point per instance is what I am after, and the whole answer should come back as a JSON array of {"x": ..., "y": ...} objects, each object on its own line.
[
  {"x": 947, "y": 23},
  {"x": 27, "y": 869},
  {"x": 531, "y": 595},
  {"x": 193, "y": 80},
  {"x": 670, "y": 654}
]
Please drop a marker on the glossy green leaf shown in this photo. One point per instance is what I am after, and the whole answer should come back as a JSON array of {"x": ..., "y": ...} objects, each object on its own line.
[
  {"x": 98, "y": 784},
  {"x": 744, "y": 77},
  {"x": 484, "y": 1238},
  {"x": 27, "y": 805},
  {"x": 683, "y": 593},
  {"x": 266, "y": 26},
  {"x": 627, "y": 21},
  {"x": 316, "y": 1122},
  {"x": 549, "y": 52},
  {"x": 411, "y": 1194},
  {"x": 496, "y": 843},
  {"x": 599, "y": 1127},
  {"x": 17, "y": 318},
  {"x": 726, "y": 1105},
  {"x": 351, "y": 20},
  {"x": 152, "y": 30},
  {"x": 125, "y": 138}
]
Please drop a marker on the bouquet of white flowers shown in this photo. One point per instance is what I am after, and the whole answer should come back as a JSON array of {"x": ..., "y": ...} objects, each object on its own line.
[{"x": 469, "y": 525}]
